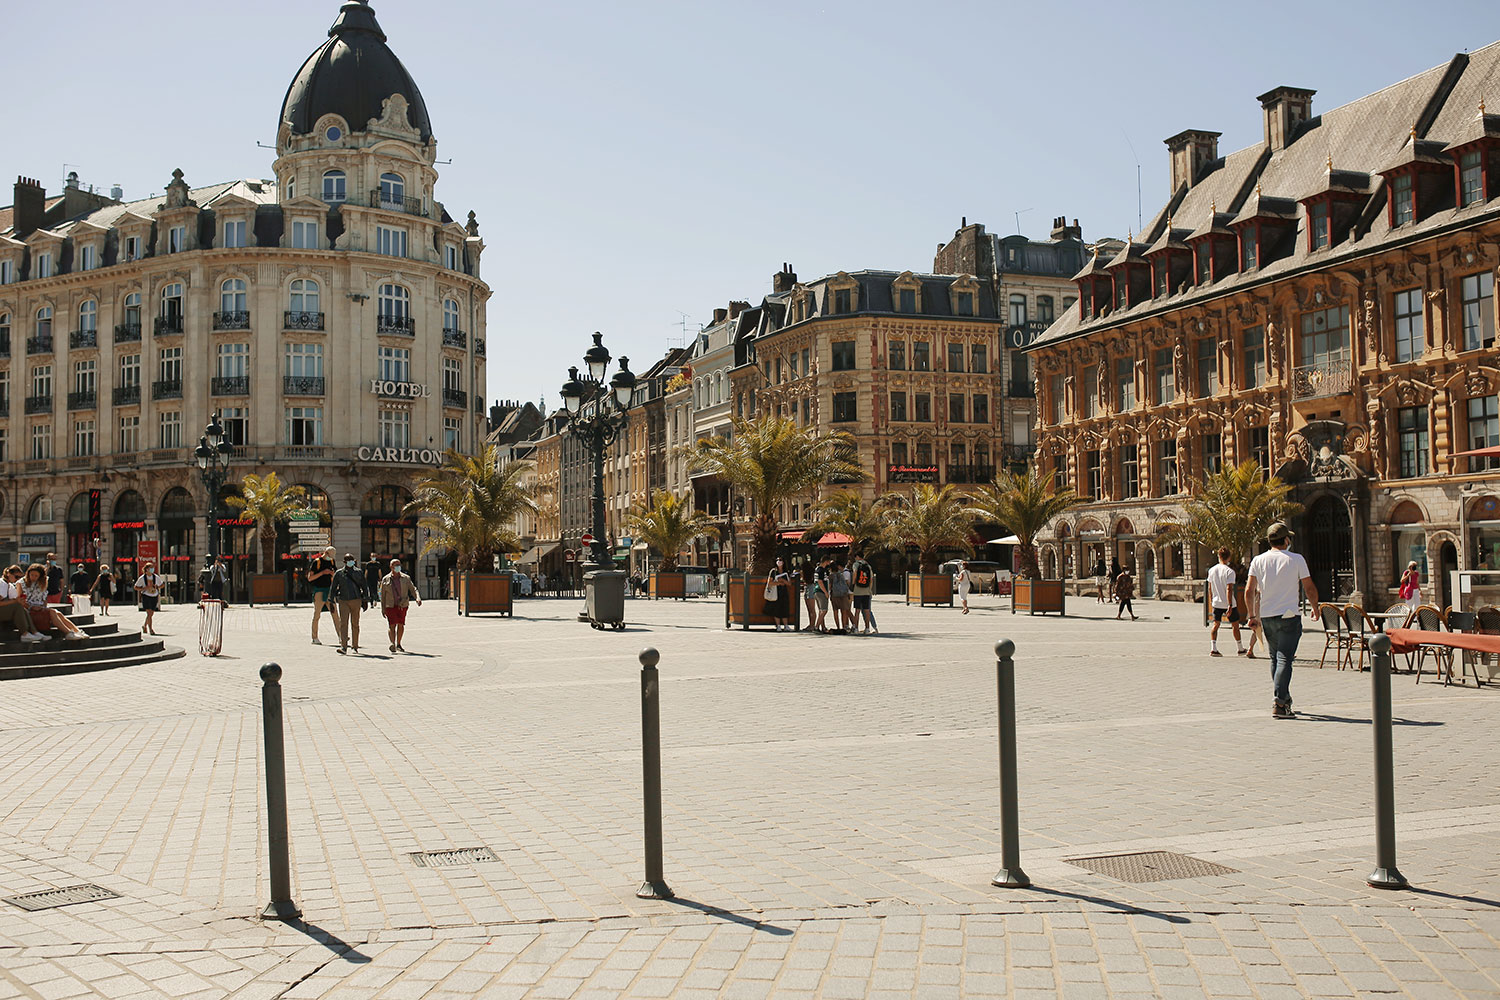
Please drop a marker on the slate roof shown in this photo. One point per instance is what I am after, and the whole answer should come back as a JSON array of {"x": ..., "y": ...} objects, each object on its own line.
[
  {"x": 257, "y": 191},
  {"x": 1362, "y": 138}
]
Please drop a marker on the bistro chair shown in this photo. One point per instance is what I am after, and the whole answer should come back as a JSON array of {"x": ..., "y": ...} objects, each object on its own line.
[
  {"x": 1430, "y": 619},
  {"x": 1463, "y": 621},
  {"x": 1488, "y": 624},
  {"x": 1333, "y": 633},
  {"x": 1397, "y": 615},
  {"x": 1361, "y": 629}
]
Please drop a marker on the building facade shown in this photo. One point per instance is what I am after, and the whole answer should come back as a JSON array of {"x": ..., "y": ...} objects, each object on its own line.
[
  {"x": 333, "y": 317},
  {"x": 1321, "y": 303}
]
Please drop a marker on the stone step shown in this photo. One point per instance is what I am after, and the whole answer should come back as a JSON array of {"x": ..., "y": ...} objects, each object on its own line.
[
  {"x": 53, "y": 669},
  {"x": 65, "y": 651}
]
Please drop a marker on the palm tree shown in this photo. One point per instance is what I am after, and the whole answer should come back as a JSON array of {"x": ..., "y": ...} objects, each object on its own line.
[
  {"x": 470, "y": 504},
  {"x": 848, "y": 514},
  {"x": 1025, "y": 503},
  {"x": 770, "y": 461},
  {"x": 931, "y": 518},
  {"x": 268, "y": 501},
  {"x": 1233, "y": 508},
  {"x": 668, "y": 524}
]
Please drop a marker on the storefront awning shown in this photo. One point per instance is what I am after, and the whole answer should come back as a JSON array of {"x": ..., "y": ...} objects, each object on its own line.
[
  {"x": 536, "y": 552},
  {"x": 834, "y": 538},
  {"x": 1493, "y": 451}
]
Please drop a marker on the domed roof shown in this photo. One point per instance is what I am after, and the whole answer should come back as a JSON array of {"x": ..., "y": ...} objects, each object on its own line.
[{"x": 351, "y": 75}]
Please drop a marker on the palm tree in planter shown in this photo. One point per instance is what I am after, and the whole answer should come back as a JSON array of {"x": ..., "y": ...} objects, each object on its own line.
[
  {"x": 668, "y": 524},
  {"x": 931, "y": 518},
  {"x": 1232, "y": 509},
  {"x": 771, "y": 461},
  {"x": 470, "y": 505},
  {"x": 1024, "y": 503},
  {"x": 864, "y": 524},
  {"x": 268, "y": 502}
]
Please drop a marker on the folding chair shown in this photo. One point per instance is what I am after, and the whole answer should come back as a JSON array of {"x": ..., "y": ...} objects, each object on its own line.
[
  {"x": 1463, "y": 621},
  {"x": 1333, "y": 633},
  {"x": 1360, "y": 629},
  {"x": 1429, "y": 619}
]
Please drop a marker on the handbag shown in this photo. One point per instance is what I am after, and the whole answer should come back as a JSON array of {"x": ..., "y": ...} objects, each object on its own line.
[{"x": 772, "y": 590}]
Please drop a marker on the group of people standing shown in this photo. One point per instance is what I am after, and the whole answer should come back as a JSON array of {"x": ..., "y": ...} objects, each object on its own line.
[
  {"x": 347, "y": 590},
  {"x": 846, "y": 588}
]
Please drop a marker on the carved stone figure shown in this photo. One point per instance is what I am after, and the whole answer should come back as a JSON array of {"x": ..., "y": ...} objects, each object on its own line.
[
  {"x": 1377, "y": 437},
  {"x": 1179, "y": 368},
  {"x": 1273, "y": 347}
]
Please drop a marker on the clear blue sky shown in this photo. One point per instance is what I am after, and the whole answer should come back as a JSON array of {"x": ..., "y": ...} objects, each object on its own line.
[{"x": 633, "y": 162}]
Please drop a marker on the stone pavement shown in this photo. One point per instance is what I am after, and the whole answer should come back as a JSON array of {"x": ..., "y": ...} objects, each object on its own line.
[{"x": 831, "y": 816}]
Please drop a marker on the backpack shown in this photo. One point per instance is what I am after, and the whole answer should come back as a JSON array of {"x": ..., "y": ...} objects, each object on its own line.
[
  {"x": 862, "y": 574},
  {"x": 837, "y": 585}
]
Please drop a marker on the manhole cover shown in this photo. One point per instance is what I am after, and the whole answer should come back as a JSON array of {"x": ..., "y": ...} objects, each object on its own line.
[
  {"x": 453, "y": 859},
  {"x": 1150, "y": 866},
  {"x": 49, "y": 898}
]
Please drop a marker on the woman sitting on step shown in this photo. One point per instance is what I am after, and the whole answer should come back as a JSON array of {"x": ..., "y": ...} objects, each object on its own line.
[{"x": 43, "y": 615}]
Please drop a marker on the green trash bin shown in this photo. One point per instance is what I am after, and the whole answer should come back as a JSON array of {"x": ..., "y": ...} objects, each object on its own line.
[{"x": 604, "y": 598}]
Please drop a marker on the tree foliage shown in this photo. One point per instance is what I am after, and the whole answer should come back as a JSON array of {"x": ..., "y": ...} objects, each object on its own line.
[
  {"x": 1024, "y": 503},
  {"x": 1233, "y": 508},
  {"x": 847, "y": 513},
  {"x": 469, "y": 504},
  {"x": 931, "y": 518},
  {"x": 268, "y": 501},
  {"x": 668, "y": 524}
]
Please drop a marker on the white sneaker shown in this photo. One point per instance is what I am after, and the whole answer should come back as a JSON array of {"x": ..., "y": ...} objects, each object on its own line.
[
  {"x": 316, "y": 642},
  {"x": 33, "y": 637},
  {"x": 75, "y": 636}
]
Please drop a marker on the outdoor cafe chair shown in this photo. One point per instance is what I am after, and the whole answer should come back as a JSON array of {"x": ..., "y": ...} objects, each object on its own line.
[
  {"x": 1397, "y": 615},
  {"x": 1462, "y": 621},
  {"x": 1488, "y": 623},
  {"x": 1430, "y": 619},
  {"x": 1334, "y": 635},
  {"x": 1360, "y": 629}
]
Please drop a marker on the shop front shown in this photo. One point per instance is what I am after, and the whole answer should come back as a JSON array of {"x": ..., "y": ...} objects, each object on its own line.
[
  {"x": 291, "y": 558},
  {"x": 127, "y": 526},
  {"x": 83, "y": 526},
  {"x": 176, "y": 528},
  {"x": 385, "y": 530}
]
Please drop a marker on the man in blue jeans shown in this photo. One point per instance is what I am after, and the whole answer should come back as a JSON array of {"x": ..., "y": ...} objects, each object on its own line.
[{"x": 1272, "y": 595}]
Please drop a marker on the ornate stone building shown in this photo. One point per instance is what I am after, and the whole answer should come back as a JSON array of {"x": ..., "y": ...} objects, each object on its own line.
[
  {"x": 334, "y": 317},
  {"x": 1323, "y": 303}
]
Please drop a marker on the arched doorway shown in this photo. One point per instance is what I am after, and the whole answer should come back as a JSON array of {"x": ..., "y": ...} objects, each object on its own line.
[
  {"x": 83, "y": 524},
  {"x": 386, "y": 532},
  {"x": 1148, "y": 571},
  {"x": 127, "y": 526},
  {"x": 175, "y": 527},
  {"x": 1330, "y": 548},
  {"x": 1442, "y": 580},
  {"x": 238, "y": 543}
]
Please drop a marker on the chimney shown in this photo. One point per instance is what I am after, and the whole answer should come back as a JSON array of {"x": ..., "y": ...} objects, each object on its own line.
[
  {"x": 29, "y": 207},
  {"x": 736, "y": 307},
  {"x": 1190, "y": 152},
  {"x": 72, "y": 181},
  {"x": 720, "y": 315},
  {"x": 1282, "y": 110},
  {"x": 784, "y": 279},
  {"x": 118, "y": 194},
  {"x": 1062, "y": 231}
]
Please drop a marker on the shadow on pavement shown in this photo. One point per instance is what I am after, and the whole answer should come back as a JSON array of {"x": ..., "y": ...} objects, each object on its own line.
[
  {"x": 1318, "y": 717},
  {"x": 729, "y": 915},
  {"x": 343, "y": 949},
  {"x": 1171, "y": 918},
  {"x": 1448, "y": 895}
]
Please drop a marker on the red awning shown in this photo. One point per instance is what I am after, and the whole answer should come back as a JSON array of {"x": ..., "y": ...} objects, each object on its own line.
[
  {"x": 791, "y": 536},
  {"x": 833, "y": 538},
  {"x": 1493, "y": 451}
]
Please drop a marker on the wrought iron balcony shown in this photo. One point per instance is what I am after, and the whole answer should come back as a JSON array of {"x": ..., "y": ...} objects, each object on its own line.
[
  {"x": 403, "y": 326},
  {"x": 455, "y": 397},
  {"x": 230, "y": 385},
  {"x": 454, "y": 338},
  {"x": 971, "y": 473},
  {"x": 1330, "y": 377},
  {"x": 1021, "y": 389},
  {"x": 39, "y": 404},
  {"x": 410, "y": 206},
  {"x": 127, "y": 332},
  {"x": 83, "y": 338},
  {"x": 83, "y": 400},
  {"x": 166, "y": 326},
  {"x": 166, "y": 388},
  {"x": 478, "y": 404},
  {"x": 126, "y": 395},
  {"x": 479, "y": 347},
  {"x": 302, "y": 385},
  {"x": 302, "y": 321},
  {"x": 41, "y": 344},
  {"x": 232, "y": 320}
]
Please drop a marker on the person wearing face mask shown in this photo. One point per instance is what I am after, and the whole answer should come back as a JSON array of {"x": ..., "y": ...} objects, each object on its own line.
[
  {"x": 397, "y": 592},
  {"x": 351, "y": 595}
]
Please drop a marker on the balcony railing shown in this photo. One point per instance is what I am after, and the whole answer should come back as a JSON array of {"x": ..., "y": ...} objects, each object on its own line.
[
  {"x": 479, "y": 347},
  {"x": 38, "y": 404},
  {"x": 454, "y": 338},
  {"x": 302, "y": 321},
  {"x": 232, "y": 320},
  {"x": 41, "y": 344},
  {"x": 230, "y": 385},
  {"x": 166, "y": 388},
  {"x": 83, "y": 400},
  {"x": 126, "y": 395},
  {"x": 83, "y": 338},
  {"x": 166, "y": 326},
  {"x": 403, "y": 326},
  {"x": 410, "y": 206},
  {"x": 304, "y": 451},
  {"x": 1330, "y": 377},
  {"x": 127, "y": 332},
  {"x": 1021, "y": 389},
  {"x": 302, "y": 385},
  {"x": 971, "y": 473},
  {"x": 455, "y": 397},
  {"x": 478, "y": 404}
]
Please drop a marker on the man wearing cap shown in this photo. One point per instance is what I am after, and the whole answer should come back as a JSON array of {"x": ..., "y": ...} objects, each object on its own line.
[{"x": 1272, "y": 590}]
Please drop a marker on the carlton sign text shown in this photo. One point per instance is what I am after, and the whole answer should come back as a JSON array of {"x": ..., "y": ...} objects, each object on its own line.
[{"x": 404, "y": 456}]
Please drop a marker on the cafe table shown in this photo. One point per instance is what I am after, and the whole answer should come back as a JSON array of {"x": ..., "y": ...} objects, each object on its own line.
[{"x": 1406, "y": 640}]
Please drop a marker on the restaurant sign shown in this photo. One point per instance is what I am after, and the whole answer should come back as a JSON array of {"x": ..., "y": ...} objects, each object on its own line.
[
  {"x": 402, "y": 456},
  {"x": 912, "y": 474}
]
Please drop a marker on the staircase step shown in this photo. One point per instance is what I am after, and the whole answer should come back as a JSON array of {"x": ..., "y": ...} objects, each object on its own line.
[
  {"x": 84, "y": 666},
  {"x": 62, "y": 651},
  {"x": 104, "y": 628},
  {"x": 16, "y": 647}
]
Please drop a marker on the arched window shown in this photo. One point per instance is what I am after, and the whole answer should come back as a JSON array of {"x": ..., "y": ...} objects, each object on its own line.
[
  {"x": 317, "y": 499},
  {"x": 40, "y": 511},
  {"x": 88, "y": 316},
  {"x": 171, "y": 302},
  {"x": 304, "y": 297},
  {"x": 78, "y": 509},
  {"x": 178, "y": 504},
  {"x": 129, "y": 506},
  {"x": 718, "y": 388},
  {"x": 133, "y": 310},
  {"x": 291, "y": 186},
  {"x": 392, "y": 190},
  {"x": 450, "y": 316},
  {"x": 334, "y": 186},
  {"x": 385, "y": 501},
  {"x": 232, "y": 296},
  {"x": 393, "y": 302},
  {"x": 44, "y": 321}
]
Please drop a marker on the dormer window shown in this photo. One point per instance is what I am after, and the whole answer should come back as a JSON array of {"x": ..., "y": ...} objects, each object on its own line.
[
  {"x": 132, "y": 248},
  {"x": 88, "y": 257},
  {"x": 1317, "y": 226},
  {"x": 841, "y": 300},
  {"x": 234, "y": 234},
  {"x": 1470, "y": 178},
  {"x": 304, "y": 235},
  {"x": 7, "y": 271},
  {"x": 907, "y": 300},
  {"x": 1403, "y": 199},
  {"x": 450, "y": 257},
  {"x": 1205, "y": 253},
  {"x": 1250, "y": 247},
  {"x": 965, "y": 304},
  {"x": 334, "y": 186},
  {"x": 177, "y": 239},
  {"x": 44, "y": 265}
]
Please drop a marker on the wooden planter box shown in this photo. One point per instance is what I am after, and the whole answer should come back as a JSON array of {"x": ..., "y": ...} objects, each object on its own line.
[
  {"x": 671, "y": 583},
  {"x": 929, "y": 588},
  {"x": 1037, "y": 596},
  {"x": 268, "y": 588},
  {"x": 484, "y": 593},
  {"x": 745, "y": 603}
]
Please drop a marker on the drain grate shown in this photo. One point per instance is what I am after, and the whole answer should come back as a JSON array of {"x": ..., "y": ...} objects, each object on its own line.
[
  {"x": 51, "y": 898},
  {"x": 452, "y": 859},
  {"x": 1150, "y": 866}
]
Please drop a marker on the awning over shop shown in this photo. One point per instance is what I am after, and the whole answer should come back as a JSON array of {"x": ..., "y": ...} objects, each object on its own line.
[
  {"x": 537, "y": 552},
  {"x": 1493, "y": 451},
  {"x": 791, "y": 536},
  {"x": 834, "y": 538}
]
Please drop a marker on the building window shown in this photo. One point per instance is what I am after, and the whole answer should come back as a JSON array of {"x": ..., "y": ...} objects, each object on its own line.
[
  {"x": 1325, "y": 335},
  {"x": 1018, "y": 310},
  {"x": 88, "y": 317},
  {"x": 392, "y": 191},
  {"x": 1122, "y": 291},
  {"x": 84, "y": 433},
  {"x": 898, "y": 453},
  {"x": 1478, "y": 293},
  {"x": 304, "y": 360},
  {"x": 924, "y": 454},
  {"x": 1208, "y": 367},
  {"x": 234, "y": 234},
  {"x": 1056, "y": 390},
  {"x": 236, "y": 423},
  {"x": 1130, "y": 472},
  {"x": 1255, "y": 357},
  {"x": 1125, "y": 384},
  {"x": 1250, "y": 247},
  {"x": 841, "y": 300},
  {"x": 335, "y": 186},
  {"x": 394, "y": 364},
  {"x": 965, "y": 304},
  {"x": 1044, "y": 309},
  {"x": 88, "y": 258},
  {"x": 232, "y": 297},
  {"x": 1059, "y": 473},
  {"x": 1090, "y": 394},
  {"x": 85, "y": 377},
  {"x": 130, "y": 370},
  {"x": 978, "y": 359},
  {"x": 958, "y": 454},
  {"x": 394, "y": 428},
  {"x": 304, "y": 236},
  {"x": 896, "y": 356},
  {"x": 304, "y": 297},
  {"x": 843, "y": 356},
  {"x": 1260, "y": 450},
  {"x": 1470, "y": 178},
  {"x": 304, "y": 425},
  {"x": 452, "y": 434},
  {"x": 806, "y": 361},
  {"x": 7, "y": 271},
  {"x": 956, "y": 407},
  {"x": 1318, "y": 230},
  {"x": 171, "y": 364},
  {"x": 844, "y": 408},
  {"x": 1411, "y": 429},
  {"x": 981, "y": 409},
  {"x": 233, "y": 361},
  {"x": 907, "y": 299},
  {"x": 1484, "y": 430},
  {"x": 390, "y": 241},
  {"x": 130, "y": 434},
  {"x": 1403, "y": 204},
  {"x": 1166, "y": 381},
  {"x": 453, "y": 375},
  {"x": 898, "y": 406},
  {"x": 450, "y": 316},
  {"x": 1095, "y": 475},
  {"x": 921, "y": 356},
  {"x": 133, "y": 310},
  {"x": 451, "y": 257},
  {"x": 1213, "y": 454},
  {"x": 393, "y": 302},
  {"x": 171, "y": 307},
  {"x": 955, "y": 357},
  {"x": 41, "y": 381},
  {"x": 1205, "y": 252},
  {"x": 170, "y": 429},
  {"x": 132, "y": 248},
  {"x": 41, "y": 441},
  {"x": 44, "y": 324},
  {"x": 177, "y": 239},
  {"x": 921, "y": 407},
  {"x": 1166, "y": 460},
  {"x": 1409, "y": 335}
]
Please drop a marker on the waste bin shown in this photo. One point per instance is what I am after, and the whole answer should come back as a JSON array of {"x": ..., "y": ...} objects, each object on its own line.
[{"x": 604, "y": 598}]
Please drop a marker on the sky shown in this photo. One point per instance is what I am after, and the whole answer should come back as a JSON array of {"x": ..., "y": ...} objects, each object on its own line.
[{"x": 635, "y": 166}]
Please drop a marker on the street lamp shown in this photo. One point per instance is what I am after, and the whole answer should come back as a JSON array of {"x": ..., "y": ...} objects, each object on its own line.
[
  {"x": 597, "y": 415},
  {"x": 213, "y": 454}
]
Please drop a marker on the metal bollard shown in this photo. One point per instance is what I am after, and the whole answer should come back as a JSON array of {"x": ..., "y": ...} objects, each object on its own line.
[
  {"x": 655, "y": 886},
  {"x": 1385, "y": 875},
  {"x": 1010, "y": 876},
  {"x": 281, "y": 906}
]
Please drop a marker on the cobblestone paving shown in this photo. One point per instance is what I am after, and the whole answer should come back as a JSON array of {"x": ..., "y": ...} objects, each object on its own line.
[{"x": 831, "y": 816}]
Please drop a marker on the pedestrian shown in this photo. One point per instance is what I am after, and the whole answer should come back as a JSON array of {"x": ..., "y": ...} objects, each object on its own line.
[
  {"x": 1272, "y": 591},
  {"x": 1100, "y": 578},
  {"x": 319, "y": 577},
  {"x": 148, "y": 589},
  {"x": 805, "y": 577},
  {"x": 838, "y": 596},
  {"x": 79, "y": 582},
  {"x": 54, "y": 579},
  {"x": 43, "y": 615},
  {"x": 13, "y": 606},
  {"x": 396, "y": 594},
  {"x": 1257, "y": 632},
  {"x": 1411, "y": 586},
  {"x": 214, "y": 578},
  {"x": 778, "y": 596},
  {"x": 821, "y": 586},
  {"x": 104, "y": 589},
  {"x": 964, "y": 581},
  {"x": 1222, "y": 597},
  {"x": 1124, "y": 589},
  {"x": 373, "y": 573},
  {"x": 862, "y": 576},
  {"x": 351, "y": 595}
]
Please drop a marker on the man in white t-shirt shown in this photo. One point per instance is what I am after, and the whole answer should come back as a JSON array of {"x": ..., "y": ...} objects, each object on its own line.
[
  {"x": 1221, "y": 596},
  {"x": 1276, "y": 575}
]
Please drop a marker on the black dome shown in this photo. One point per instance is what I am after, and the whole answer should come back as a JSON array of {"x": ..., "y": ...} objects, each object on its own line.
[{"x": 351, "y": 75}]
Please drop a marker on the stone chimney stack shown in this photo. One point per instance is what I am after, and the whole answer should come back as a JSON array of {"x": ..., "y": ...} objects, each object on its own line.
[
  {"x": 783, "y": 280},
  {"x": 1190, "y": 152},
  {"x": 720, "y": 315},
  {"x": 1283, "y": 110},
  {"x": 736, "y": 307},
  {"x": 29, "y": 203},
  {"x": 1062, "y": 231}
]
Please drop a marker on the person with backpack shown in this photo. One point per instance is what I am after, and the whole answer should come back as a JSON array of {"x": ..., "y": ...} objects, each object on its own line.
[
  {"x": 838, "y": 596},
  {"x": 864, "y": 591}
]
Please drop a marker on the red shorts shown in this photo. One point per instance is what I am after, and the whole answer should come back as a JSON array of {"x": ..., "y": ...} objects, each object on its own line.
[{"x": 396, "y": 616}]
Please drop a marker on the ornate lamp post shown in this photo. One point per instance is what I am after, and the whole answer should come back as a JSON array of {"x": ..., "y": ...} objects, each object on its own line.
[
  {"x": 213, "y": 453},
  {"x": 597, "y": 415}
]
